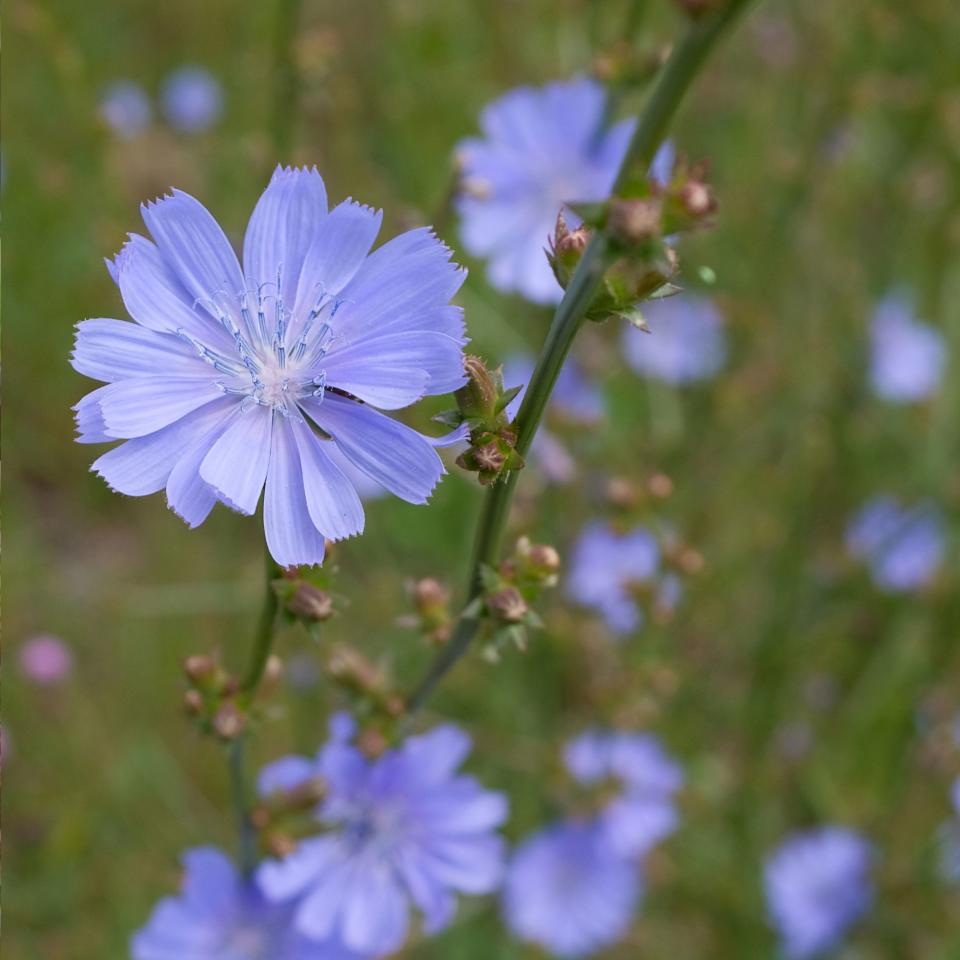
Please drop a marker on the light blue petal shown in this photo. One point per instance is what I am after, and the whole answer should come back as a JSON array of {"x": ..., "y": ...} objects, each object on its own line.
[
  {"x": 284, "y": 774},
  {"x": 116, "y": 349},
  {"x": 236, "y": 465},
  {"x": 141, "y": 466},
  {"x": 282, "y": 228},
  {"x": 291, "y": 536},
  {"x": 89, "y": 418},
  {"x": 189, "y": 496},
  {"x": 332, "y": 501},
  {"x": 339, "y": 247},
  {"x": 396, "y": 369},
  {"x": 397, "y": 457},
  {"x": 155, "y": 297},
  {"x": 141, "y": 406},
  {"x": 197, "y": 250},
  {"x": 282, "y": 880},
  {"x": 375, "y": 914}
]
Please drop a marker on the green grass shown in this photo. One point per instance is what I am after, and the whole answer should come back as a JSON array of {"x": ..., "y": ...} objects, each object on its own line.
[{"x": 834, "y": 135}]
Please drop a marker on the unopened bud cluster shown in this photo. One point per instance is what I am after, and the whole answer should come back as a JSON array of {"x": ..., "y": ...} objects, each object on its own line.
[
  {"x": 214, "y": 697},
  {"x": 431, "y": 601},
  {"x": 637, "y": 224},
  {"x": 283, "y": 817},
  {"x": 511, "y": 590},
  {"x": 482, "y": 404},
  {"x": 374, "y": 698}
]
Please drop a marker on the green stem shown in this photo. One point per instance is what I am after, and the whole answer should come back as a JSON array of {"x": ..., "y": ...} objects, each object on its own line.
[
  {"x": 677, "y": 75},
  {"x": 238, "y": 789},
  {"x": 263, "y": 639}
]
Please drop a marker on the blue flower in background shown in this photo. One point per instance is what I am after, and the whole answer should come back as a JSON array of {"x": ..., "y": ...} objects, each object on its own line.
[
  {"x": 219, "y": 916},
  {"x": 686, "y": 342},
  {"x": 192, "y": 99},
  {"x": 125, "y": 108},
  {"x": 541, "y": 149},
  {"x": 907, "y": 356},
  {"x": 232, "y": 380},
  {"x": 817, "y": 886},
  {"x": 402, "y": 830},
  {"x": 643, "y": 812},
  {"x": 575, "y": 398},
  {"x": 569, "y": 892},
  {"x": 606, "y": 565},
  {"x": 903, "y": 546}
]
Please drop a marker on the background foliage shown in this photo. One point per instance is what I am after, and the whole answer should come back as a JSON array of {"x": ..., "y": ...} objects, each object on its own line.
[{"x": 834, "y": 136}]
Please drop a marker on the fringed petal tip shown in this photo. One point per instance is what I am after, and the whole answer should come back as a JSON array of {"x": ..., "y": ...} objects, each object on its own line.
[
  {"x": 281, "y": 171},
  {"x": 376, "y": 212}
]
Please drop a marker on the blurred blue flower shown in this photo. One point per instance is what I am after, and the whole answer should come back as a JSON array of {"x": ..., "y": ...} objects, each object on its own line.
[
  {"x": 219, "y": 916},
  {"x": 404, "y": 828},
  {"x": 907, "y": 356},
  {"x": 125, "y": 108},
  {"x": 569, "y": 892},
  {"x": 604, "y": 568},
  {"x": 686, "y": 342},
  {"x": 541, "y": 149},
  {"x": 903, "y": 546},
  {"x": 216, "y": 384},
  {"x": 575, "y": 398},
  {"x": 817, "y": 886},
  {"x": 192, "y": 99},
  {"x": 643, "y": 812},
  {"x": 955, "y": 796}
]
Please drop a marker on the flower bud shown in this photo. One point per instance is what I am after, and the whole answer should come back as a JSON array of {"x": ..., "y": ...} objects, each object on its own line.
[
  {"x": 310, "y": 603},
  {"x": 477, "y": 398},
  {"x": 660, "y": 486},
  {"x": 229, "y": 721},
  {"x": 193, "y": 702},
  {"x": 429, "y": 594},
  {"x": 697, "y": 199},
  {"x": 507, "y": 605},
  {"x": 566, "y": 247},
  {"x": 200, "y": 669},
  {"x": 634, "y": 221}
]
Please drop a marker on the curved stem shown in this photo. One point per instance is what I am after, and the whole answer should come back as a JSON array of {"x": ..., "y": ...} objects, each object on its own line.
[
  {"x": 286, "y": 87},
  {"x": 678, "y": 74},
  {"x": 263, "y": 638}
]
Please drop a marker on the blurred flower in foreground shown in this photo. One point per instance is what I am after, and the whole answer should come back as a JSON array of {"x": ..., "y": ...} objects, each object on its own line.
[
  {"x": 404, "y": 827},
  {"x": 907, "y": 356},
  {"x": 609, "y": 569},
  {"x": 643, "y": 812},
  {"x": 817, "y": 886},
  {"x": 125, "y": 108},
  {"x": 569, "y": 892},
  {"x": 216, "y": 385},
  {"x": 219, "y": 916},
  {"x": 45, "y": 659},
  {"x": 686, "y": 342},
  {"x": 192, "y": 99},
  {"x": 903, "y": 546},
  {"x": 541, "y": 149},
  {"x": 575, "y": 399}
]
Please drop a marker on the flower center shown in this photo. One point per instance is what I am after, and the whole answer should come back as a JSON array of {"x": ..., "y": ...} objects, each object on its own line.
[{"x": 277, "y": 356}]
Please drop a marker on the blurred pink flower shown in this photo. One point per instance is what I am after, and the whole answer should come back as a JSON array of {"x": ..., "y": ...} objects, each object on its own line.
[{"x": 45, "y": 659}]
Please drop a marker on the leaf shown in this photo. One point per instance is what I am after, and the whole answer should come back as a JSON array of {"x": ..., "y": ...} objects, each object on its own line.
[{"x": 634, "y": 317}]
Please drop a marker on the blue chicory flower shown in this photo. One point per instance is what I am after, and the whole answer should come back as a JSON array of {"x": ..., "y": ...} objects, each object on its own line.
[
  {"x": 604, "y": 566},
  {"x": 541, "y": 149},
  {"x": 907, "y": 356},
  {"x": 686, "y": 342},
  {"x": 399, "y": 830},
  {"x": 192, "y": 99},
  {"x": 817, "y": 886},
  {"x": 220, "y": 916},
  {"x": 232, "y": 380},
  {"x": 902, "y": 546},
  {"x": 568, "y": 891},
  {"x": 643, "y": 812},
  {"x": 125, "y": 108}
]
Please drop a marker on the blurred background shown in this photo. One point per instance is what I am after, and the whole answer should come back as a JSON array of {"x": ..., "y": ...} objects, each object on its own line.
[{"x": 793, "y": 687}]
